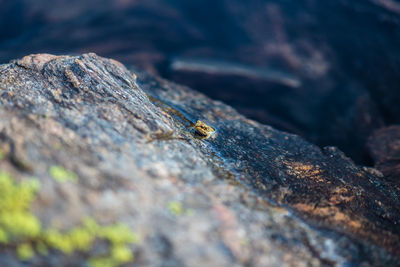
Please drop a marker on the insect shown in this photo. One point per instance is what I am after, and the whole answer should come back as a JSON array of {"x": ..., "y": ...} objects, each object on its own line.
[{"x": 203, "y": 129}]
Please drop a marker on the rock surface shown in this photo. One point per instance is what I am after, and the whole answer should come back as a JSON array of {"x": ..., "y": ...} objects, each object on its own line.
[
  {"x": 325, "y": 70},
  {"x": 384, "y": 146},
  {"x": 248, "y": 195}
]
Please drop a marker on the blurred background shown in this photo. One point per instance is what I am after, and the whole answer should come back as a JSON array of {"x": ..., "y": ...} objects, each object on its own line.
[{"x": 326, "y": 70}]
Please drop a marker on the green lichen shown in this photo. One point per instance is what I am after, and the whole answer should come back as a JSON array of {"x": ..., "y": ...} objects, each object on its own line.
[
  {"x": 121, "y": 253},
  {"x": 101, "y": 262},
  {"x": 118, "y": 235},
  {"x": 175, "y": 207},
  {"x": 16, "y": 220},
  {"x": 62, "y": 175},
  {"x": 41, "y": 247},
  {"x": 81, "y": 238},
  {"x": 20, "y": 228},
  {"x": 25, "y": 251}
]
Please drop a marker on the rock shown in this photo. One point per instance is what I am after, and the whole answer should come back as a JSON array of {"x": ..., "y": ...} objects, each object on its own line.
[
  {"x": 307, "y": 67},
  {"x": 384, "y": 146},
  {"x": 126, "y": 178}
]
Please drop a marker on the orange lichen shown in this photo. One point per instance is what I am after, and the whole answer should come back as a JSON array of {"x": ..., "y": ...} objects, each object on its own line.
[
  {"x": 332, "y": 214},
  {"x": 340, "y": 195},
  {"x": 304, "y": 171}
]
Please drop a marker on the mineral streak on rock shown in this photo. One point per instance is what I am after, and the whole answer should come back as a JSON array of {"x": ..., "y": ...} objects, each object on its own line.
[{"x": 131, "y": 143}]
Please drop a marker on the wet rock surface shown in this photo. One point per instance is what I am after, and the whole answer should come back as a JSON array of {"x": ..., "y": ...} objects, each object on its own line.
[{"x": 243, "y": 195}]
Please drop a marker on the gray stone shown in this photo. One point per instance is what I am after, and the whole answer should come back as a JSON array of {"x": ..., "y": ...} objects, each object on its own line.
[{"x": 248, "y": 195}]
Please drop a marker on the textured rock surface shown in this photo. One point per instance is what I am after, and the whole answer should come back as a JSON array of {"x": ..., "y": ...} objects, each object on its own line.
[
  {"x": 248, "y": 195},
  {"x": 384, "y": 146},
  {"x": 344, "y": 55}
]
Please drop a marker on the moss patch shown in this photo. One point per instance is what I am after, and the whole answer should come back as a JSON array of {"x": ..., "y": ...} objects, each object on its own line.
[{"x": 21, "y": 229}]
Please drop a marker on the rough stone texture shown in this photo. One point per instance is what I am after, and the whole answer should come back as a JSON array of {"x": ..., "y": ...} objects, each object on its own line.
[
  {"x": 384, "y": 146},
  {"x": 250, "y": 195},
  {"x": 344, "y": 55}
]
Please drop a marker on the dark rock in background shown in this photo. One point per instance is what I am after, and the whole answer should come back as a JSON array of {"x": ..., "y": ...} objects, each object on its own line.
[
  {"x": 384, "y": 146},
  {"x": 248, "y": 195},
  {"x": 345, "y": 54}
]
